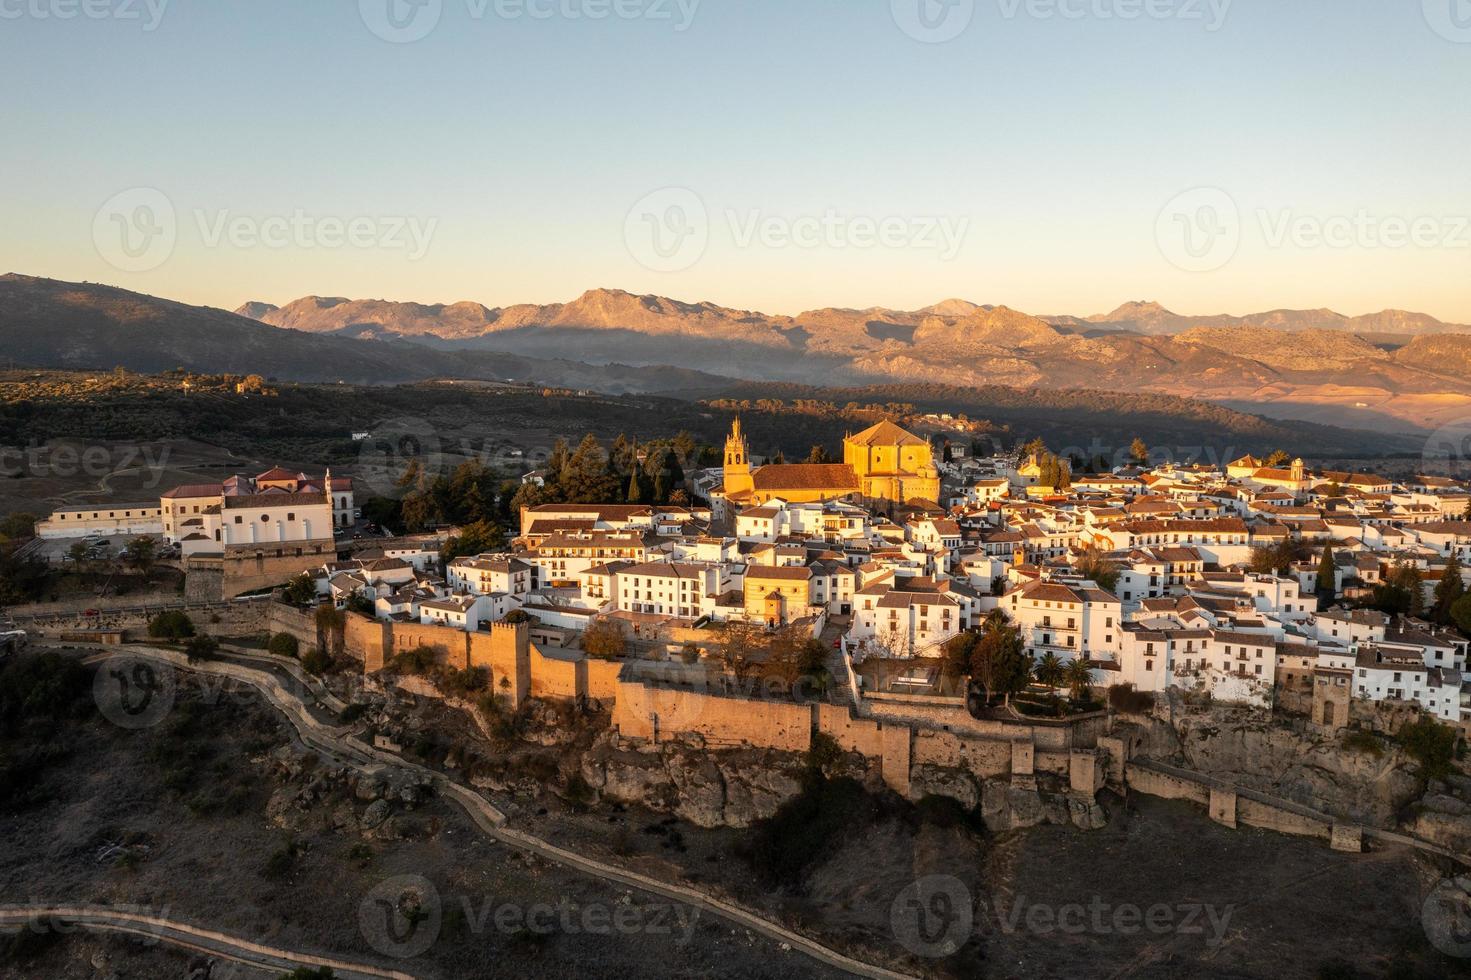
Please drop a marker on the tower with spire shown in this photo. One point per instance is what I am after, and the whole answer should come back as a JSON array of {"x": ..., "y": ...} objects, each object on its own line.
[
  {"x": 327, "y": 489},
  {"x": 737, "y": 462}
]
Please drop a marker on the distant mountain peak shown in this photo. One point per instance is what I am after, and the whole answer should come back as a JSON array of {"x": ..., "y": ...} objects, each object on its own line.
[
  {"x": 950, "y": 307},
  {"x": 256, "y": 310},
  {"x": 1145, "y": 310}
]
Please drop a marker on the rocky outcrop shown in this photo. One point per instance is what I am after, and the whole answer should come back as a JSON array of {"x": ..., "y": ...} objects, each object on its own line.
[
  {"x": 1005, "y": 805},
  {"x": 1314, "y": 769},
  {"x": 309, "y": 796},
  {"x": 722, "y": 789}
]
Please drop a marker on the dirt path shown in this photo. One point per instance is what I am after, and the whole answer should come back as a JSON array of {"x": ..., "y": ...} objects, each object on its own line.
[{"x": 184, "y": 936}]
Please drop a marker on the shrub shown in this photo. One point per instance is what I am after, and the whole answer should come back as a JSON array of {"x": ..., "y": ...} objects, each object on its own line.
[
  {"x": 1124, "y": 698},
  {"x": 309, "y": 973},
  {"x": 173, "y": 624},
  {"x": 284, "y": 645},
  {"x": 352, "y": 713},
  {"x": 1431, "y": 744},
  {"x": 419, "y": 661},
  {"x": 282, "y": 861},
  {"x": 517, "y": 616},
  {"x": 824, "y": 752},
  {"x": 360, "y": 604},
  {"x": 42, "y": 686},
  {"x": 1362, "y": 741},
  {"x": 316, "y": 662},
  {"x": 461, "y": 683},
  {"x": 201, "y": 647}
]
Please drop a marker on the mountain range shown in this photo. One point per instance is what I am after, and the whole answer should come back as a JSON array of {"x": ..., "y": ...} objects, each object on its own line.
[
  {"x": 1392, "y": 370},
  {"x": 1294, "y": 365}
]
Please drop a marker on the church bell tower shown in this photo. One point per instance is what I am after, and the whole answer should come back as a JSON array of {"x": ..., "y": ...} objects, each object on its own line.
[{"x": 737, "y": 462}]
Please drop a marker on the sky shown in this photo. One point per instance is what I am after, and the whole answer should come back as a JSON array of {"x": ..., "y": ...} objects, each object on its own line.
[{"x": 1055, "y": 156}]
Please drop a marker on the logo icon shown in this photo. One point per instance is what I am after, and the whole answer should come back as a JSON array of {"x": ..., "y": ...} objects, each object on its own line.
[
  {"x": 401, "y": 21},
  {"x": 1199, "y": 230},
  {"x": 132, "y": 692},
  {"x": 933, "y": 917},
  {"x": 136, "y": 230},
  {"x": 933, "y": 21},
  {"x": 1451, "y": 19},
  {"x": 1448, "y": 450},
  {"x": 1446, "y": 917},
  {"x": 393, "y": 451},
  {"x": 668, "y": 230},
  {"x": 401, "y": 917}
]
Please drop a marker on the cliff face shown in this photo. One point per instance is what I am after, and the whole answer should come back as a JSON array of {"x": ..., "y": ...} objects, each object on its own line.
[{"x": 1312, "y": 769}]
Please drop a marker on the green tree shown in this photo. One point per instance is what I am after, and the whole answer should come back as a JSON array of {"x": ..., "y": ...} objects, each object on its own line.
[
  {"x": 474, "y": 539},
  {"x": 1049, "y": 671},
  {"x": 1079, "y": 676},
  {"x": 1461, "y": 614},
  {"x": 140, "y": 553},
  {"x": 1139, "y": 451},
  {"x": 301, "y": 590},
  {"x": 955, "y": 655},
  {"x": 819, "y": 454},
  {"x": 605, "y": 639},
  {"x": 1327, "y": 573},
  {"x": 1279, "y": 458},
  {"x": 1448, "y": 591},
  {"x": 17, "y": 526},
  {"x": 1095, "y": 564},
  {"x": 1407, "y": 577},
  {"x": 999, "y": 661},
  {"x": 172, "y": 624}
]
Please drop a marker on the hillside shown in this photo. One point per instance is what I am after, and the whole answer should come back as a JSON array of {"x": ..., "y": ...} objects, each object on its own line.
[
  {"x": 1088, "y": 421},
  {"x": 52, "y": 324},
  {"x": 1152, "y": 318},
  {"x": 1306, "y": 364},
  {"x": 627, "y": 343}
]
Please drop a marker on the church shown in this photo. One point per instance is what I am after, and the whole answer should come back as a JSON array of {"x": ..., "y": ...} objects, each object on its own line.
[{"x": 883, "y": 462}]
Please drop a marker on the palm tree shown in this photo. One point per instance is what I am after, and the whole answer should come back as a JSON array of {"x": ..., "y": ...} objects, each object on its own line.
[
  {"x": 1050, "y": 672},
  {"x": 1078, "y": 676}
]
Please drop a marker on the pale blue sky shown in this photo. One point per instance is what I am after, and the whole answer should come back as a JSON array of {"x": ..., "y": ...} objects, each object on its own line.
[{"x": 517, "y": 146}]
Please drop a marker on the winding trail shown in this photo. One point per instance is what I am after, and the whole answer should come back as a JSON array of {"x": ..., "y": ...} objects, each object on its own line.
[
  {"x": 269, "y": 959},
  {"x": 339, "y": 743}
]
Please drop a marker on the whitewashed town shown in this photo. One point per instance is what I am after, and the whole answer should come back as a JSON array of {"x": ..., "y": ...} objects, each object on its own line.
[{"x": 1263, "y": 582}]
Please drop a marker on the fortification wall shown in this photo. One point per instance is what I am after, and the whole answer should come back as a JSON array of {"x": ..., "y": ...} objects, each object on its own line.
[
  {"x": 246, "y": 568},
  {"x": 1166, "y": 786},
  {"x": 300, "y": 623},
  {"x": 984, "y": 758},
  {"x": 602, "y": 678},
  {"x": 650, "y": 710},
  {"x": 851, "y": 732}
]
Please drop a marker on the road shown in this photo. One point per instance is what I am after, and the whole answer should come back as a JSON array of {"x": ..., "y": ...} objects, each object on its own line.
[{"x": 339, "y": 744}]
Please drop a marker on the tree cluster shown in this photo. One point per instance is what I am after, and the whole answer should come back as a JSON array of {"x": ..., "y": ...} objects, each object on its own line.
[{"x": 648, "y": 473}]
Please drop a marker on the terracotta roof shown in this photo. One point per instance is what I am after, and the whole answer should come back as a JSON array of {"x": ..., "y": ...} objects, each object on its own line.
[
  {"x": 195, "y": 490},
  {"x": 806, "y": 476},
  {"x": 885, "y": 433}
]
